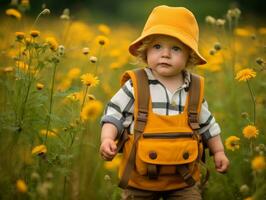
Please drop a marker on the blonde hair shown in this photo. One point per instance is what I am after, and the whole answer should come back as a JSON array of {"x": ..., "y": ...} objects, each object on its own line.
[{"x": 142, "y": 52}]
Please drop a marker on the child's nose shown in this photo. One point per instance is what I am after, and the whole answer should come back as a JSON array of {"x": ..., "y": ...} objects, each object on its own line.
[{"x": 166, "y": 52}]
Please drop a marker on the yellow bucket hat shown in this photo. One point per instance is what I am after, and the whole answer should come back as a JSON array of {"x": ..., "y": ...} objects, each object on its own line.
[{"x": 177, "y": 22}]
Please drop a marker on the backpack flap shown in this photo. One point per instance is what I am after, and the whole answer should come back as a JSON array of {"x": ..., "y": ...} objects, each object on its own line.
[{"x": 164, "y": 152}]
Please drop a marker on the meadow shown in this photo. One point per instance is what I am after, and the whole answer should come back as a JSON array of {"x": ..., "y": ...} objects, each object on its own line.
[{"x": 57, "y": 74}]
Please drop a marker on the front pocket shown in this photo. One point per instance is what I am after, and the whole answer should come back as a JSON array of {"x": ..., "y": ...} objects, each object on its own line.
[{"x": 165, "y": 150}]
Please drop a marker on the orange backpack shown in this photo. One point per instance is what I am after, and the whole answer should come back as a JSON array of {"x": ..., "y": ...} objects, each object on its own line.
[{"x": 164, "y": 152}]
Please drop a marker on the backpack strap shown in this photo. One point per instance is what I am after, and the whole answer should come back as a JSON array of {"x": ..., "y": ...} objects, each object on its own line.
[
  {"x": 142, "y": 95},
  {"x": 196, "y": 89},
  {"x": 195, "y": 95}
]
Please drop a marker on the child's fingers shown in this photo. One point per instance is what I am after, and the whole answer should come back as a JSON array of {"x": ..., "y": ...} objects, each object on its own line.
[{"x": 113, "y": 147}]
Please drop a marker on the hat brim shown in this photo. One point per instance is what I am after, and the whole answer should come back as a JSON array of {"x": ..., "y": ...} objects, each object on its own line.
[{"x": 170, "y": 31}]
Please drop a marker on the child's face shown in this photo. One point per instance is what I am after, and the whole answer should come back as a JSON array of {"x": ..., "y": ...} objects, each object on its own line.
[{"x": 167, "y": 56}]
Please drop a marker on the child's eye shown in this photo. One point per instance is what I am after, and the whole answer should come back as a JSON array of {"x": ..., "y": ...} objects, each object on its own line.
[
  {"x": 176, "y": 48},
  {"x": 157, "y": 46}
]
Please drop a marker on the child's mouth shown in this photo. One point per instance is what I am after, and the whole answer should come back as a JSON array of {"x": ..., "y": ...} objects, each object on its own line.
[{"x": 165, "y": 64}]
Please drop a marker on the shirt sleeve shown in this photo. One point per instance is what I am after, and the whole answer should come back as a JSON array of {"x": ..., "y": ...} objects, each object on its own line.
[
  {"x": 208, "y": 126},
  {"x": 119, "y": 110}
]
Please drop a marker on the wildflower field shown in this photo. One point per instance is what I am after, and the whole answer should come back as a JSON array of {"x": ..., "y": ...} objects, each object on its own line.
[{"x": 56, "y": 75}]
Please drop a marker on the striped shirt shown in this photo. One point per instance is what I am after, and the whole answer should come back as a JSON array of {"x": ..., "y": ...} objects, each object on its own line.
[{"x": 119, "y": 110}]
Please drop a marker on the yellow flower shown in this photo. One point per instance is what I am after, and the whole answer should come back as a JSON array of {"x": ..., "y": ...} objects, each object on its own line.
[
  {"x": 250, "y": 131},
  {"x": 114, "y": 164},
  {"x": 85, "y": 50},
  {"x": 52, "y": 133},
  {"x": 75, "y": 96},
  {"x": 52, "y": 43},
  {"x": 21, "y": 186},
  {"x": 13, "y": 13},
  {"x": 91, "y": 110},
  {"x": 22, "y": 65},
  {"x": 89, "y": 80},
  {"x": 39, "y": 86},
  {"x": 104, "y": 29},
  {"x": 102, "y": 40},
  {"x": 20, "y": 35},
  {"x": 232, "y": 143},
  {"x": 39, "y": 150},
  {"x": 73, "y": 73},
  {"x": 249, "y": 198},
  {"x": 34, "y": 33},
  {"x": 245, "y": 74},
  {"x": 258, "y": 163}
]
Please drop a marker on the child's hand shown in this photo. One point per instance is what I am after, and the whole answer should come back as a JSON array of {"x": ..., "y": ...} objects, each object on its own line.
[
  {"x": 108, "y": 149},
  {"x": 221, "y": 161}
]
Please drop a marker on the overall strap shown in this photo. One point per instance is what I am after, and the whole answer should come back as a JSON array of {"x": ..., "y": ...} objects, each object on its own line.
[
  {"x": 195, "y": 100},
  {"x": 142, "y": 95},
  {"x": 196, "y": 91},
  {"x": 195, "y": 95}
]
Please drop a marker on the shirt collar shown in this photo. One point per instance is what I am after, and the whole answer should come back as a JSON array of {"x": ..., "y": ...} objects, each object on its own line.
[{"x": 186, "y": 75}]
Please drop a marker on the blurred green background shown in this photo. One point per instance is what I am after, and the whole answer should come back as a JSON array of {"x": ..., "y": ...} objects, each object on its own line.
[{"x": 133, "y": 12}]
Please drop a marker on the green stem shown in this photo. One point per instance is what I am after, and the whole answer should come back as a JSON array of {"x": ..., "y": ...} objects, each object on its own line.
[
  {"x": 84, "y": 98},
  {"x": 50, "y": 103},
  {"x": 254, "y": 102},
  {"x": 98, "y": 61},
  {"x": 29, "y": 81}
]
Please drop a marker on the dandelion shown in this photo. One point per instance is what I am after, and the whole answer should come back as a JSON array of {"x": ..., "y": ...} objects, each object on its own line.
[
  {"x": 210, "y": 20},
  {"x": 212, "y": 52},
  {"x": 250, "y": 131},
  {"x": 20, "y": 35},
  {"x": 104, "y": 29},
  {"x": 91, "y": 110},
  {"x": 61, "y": 50},
  {"x": 249, "y": 198},
  {"x": 245, "y": 74},
  {"x": 217, "y": 46},
  {"x": 21, "y": 186},
  {"x": 85, "y": 50},
  {"x": 34, "y": 33},
  {"x": 220, "y": 22},
  {"x": 107, "y": 177},
  {"x": 91, "y": 97},
  {"x": 102, "y": 40},
  {"x": 39, "y": 150},
  {"x": 89, "y": 80},
  {"x": 75, "y": 96},
  {"x": 93, "y": 59},
  {"x": 66, "y": 14},
  {"x": 39, "y": 86},
  {"x": 51, "y": 41},
  {"x": 258, "y": 163},
  {"x": 232, "y": 143},
  {"x": 13, "y": 13},
  {"x": 244, "y": 189},
  {"x": 260, "y": 61}
]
